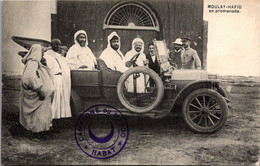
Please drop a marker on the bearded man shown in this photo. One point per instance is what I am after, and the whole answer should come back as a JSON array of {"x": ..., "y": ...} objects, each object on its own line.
[
  {"x": 112, "y": 56},
  {"x": 136, "y": 57},
  {"x": 79, "y": 55}
]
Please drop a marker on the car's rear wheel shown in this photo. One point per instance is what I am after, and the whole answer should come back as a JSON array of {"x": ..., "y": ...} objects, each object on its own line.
[
  {"x": 140, "y": 89},
  {"x": 205, "y": 111}
]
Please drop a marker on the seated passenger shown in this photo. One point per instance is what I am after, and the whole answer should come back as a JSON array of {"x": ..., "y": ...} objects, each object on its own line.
[
  {"x": 79, "y": 55},
  {"x": 112, "y": 55},
  {"x": 136, "y": 54},
  {"x": 136, "y": 57}
]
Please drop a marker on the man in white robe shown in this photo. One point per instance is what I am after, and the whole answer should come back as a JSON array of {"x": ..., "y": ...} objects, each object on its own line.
[
  {"x": 61, "y": 73},
  {"x": 112, "y": 55},
  {"x": 79, "y": 55},
  {"x": 137, "y": 54}
]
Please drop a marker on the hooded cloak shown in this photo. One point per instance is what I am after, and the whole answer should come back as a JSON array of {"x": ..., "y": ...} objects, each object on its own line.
[
  {"x": 35, "y": 114},
  {"x": 130, "y": 54},
  {"x": 114, "y": 59},
  {"x": 141, "y": 80},
  {"x": 78, "y": 56}
]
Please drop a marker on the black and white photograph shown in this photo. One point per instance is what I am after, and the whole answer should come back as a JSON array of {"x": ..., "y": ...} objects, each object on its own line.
[{"x": 130, "y": 82}]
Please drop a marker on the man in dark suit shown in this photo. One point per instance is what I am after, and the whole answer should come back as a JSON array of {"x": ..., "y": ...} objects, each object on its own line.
[{"x": 153, "y": 63}]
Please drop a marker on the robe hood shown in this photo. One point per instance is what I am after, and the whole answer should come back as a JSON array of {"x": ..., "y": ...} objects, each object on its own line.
[
  {"x": 80, "y": 32},
  {"x": 138, "y": 40},
  {"x": 110, "y": 37},
  {"x": 35, "y": 53}
]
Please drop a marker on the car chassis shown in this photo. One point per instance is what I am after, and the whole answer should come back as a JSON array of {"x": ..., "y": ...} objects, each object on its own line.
[{"x": 203, "y": 101}]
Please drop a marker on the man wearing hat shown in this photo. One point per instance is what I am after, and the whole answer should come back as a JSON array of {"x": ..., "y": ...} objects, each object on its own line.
[
  {"x": 176, "y": 53},
  {"x": 189, "y": 58}
]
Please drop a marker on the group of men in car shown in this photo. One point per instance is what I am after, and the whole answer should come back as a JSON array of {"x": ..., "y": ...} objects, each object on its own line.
[
  {"x": 46, "y": 80},
  {"x": 80, "y": 57}
]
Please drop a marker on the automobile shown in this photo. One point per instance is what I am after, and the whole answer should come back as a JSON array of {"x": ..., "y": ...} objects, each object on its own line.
[{"x": 204, "y": 103}]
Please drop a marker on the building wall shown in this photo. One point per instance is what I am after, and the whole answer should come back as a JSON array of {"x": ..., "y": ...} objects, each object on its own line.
[
  {"x": 33, "y": 19},
  {"x": 181, "y": 19},
  {"x": 177, "y": 19},
  {"x": 26, "y": 19}
]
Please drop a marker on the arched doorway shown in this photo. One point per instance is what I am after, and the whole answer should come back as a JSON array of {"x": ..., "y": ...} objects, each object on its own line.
[{"x": 131, "y": 19}]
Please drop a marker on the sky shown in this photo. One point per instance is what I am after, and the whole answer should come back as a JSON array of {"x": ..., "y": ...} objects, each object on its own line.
[{"x": 233, "y": 38}]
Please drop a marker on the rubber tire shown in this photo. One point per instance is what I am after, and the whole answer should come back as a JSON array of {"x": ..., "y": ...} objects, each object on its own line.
[
  {"x": 157, "y": 81},
  {"x": 221, "y": 102}
]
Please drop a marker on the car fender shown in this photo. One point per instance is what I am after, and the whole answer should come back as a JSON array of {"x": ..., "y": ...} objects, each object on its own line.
[
  {"x": 188, "y": 88},
  {"x": 211, "y": 84},
  {"x": 194, "y": 85}
]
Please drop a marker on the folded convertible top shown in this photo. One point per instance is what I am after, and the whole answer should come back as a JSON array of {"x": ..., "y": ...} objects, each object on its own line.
[{"x": 28, "y": 42}]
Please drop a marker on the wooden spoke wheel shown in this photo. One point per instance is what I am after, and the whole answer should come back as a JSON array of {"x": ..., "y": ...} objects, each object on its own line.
[
  {"x": 140, "y": 89},
  {"x": 205, "y": 111}
]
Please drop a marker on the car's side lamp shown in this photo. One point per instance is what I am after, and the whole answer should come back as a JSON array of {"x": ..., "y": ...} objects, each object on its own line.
[{"x": 170, "y": 86}]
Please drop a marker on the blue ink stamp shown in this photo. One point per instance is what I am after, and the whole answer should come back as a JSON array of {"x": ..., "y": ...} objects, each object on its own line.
[{"x": 101, "y": 131}]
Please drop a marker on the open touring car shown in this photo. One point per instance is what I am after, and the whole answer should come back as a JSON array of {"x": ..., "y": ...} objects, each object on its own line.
[{"x": 204, "y": 103}]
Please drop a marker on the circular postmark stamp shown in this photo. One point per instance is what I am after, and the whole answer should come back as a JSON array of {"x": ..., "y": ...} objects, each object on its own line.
[{"x": 101, "y": 131}]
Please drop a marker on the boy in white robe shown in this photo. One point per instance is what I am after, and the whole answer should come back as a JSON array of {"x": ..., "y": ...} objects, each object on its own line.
[
  {"x": 112, "y": 55},
  {"x": 61, "y": 73},
  {"x": 79, "y": 55}
]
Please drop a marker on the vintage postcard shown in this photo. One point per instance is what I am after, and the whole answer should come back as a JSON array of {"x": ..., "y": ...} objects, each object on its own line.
[{"x": 127, "y": 82}]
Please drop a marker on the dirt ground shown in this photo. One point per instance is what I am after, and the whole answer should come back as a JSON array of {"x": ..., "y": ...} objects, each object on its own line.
[{"x": 162, "y": 141}]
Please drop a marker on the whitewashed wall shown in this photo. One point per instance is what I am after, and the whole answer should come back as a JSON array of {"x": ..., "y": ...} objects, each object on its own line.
[{"x": 25, "y": 19}]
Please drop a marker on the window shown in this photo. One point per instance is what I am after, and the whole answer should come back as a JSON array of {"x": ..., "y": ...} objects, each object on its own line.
[{"x": 131, "y": 15}]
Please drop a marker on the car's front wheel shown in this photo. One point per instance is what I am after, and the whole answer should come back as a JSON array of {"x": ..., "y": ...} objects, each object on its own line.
[{"x": 205, "y": 111}]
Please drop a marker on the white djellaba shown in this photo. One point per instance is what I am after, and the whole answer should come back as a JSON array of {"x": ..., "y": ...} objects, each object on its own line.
[{"x": 140, "y": 61}]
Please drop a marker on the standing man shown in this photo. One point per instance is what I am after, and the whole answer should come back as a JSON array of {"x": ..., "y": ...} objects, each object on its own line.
[
  {"x": 153, "y": 63},
  {"x": 36, "y": 93},
  {"x": 112, "y": 56},
  {"x": 62, "y": 83},
  {"x": 79, "y": 55},
  {"x": 189, "y": 58},
  {"x": 177, "y": 53}
]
